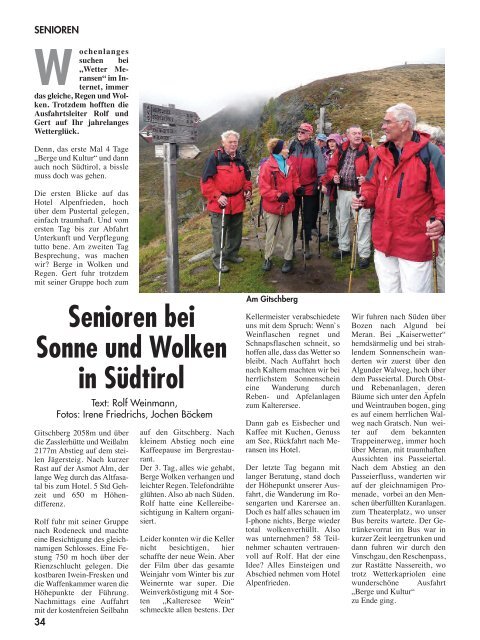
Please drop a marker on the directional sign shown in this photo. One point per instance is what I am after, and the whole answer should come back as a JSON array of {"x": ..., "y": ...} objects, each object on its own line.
[
  {"x": 174, "y": 133},
  {"x": 155, "y": 114},
  {"x": 188, "y": 151},
  {"x": 184, "y": 151},
  {"x": 146, "y": 134},
  {"x": 168, "y": 133}
]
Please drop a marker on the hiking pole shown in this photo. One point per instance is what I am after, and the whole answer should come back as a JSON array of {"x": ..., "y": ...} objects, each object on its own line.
[
  {"x": 221, "y": 249},
  {"x": 252, "y": 219},
  {"x": 319, "y": 219},
  {"x": 300, "y": 219},
  {"x": 339, "y": 219},
  {"x": 328, "y": 220},
  {"x": 434, "y": 262},
  {"x": 358, "y": 193},
  {"x": 278, "y": 221},
  {"x": 304, "y": 236},
  {"x": 353, "y": 260},
  {"x": 260, "y": 212}
]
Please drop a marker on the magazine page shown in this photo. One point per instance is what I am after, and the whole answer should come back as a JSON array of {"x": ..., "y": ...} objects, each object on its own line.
[{"x": 220, "y": 420}]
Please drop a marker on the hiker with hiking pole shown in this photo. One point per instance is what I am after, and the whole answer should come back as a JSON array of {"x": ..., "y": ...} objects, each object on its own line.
[
  {"x": 278, "y": 183},
  {"x": 406, "y": 185},
  {"x": 309, "y": 162},
  {"x": 346, "y": 171},
  {"x": 321, "y": 142},
  {"x": 226, "y": 185}
]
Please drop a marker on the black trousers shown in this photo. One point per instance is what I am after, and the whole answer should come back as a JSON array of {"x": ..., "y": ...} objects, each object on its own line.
[{"x": 310, "y": 212}]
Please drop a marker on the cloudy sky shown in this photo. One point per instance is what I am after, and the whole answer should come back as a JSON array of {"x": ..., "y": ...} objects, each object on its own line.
[{"x": 220, "y": 53}]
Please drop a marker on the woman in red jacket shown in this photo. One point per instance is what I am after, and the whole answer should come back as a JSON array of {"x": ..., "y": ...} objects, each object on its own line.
[{"x": 278, "y": 183}]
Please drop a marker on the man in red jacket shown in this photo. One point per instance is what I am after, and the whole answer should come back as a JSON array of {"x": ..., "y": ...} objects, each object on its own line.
[
  {"x": 406, "y": 184},
  {"x": 347, "y": 170},
  {"x": 309, "y": 163},
  {"x": 226, "y": 185}
]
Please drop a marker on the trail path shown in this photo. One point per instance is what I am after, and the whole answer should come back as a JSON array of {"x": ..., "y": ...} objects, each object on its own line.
[{"x": 319, "y": 275}]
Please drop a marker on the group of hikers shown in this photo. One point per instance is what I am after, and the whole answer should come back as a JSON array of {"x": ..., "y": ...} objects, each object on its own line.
[{"x": 393, "y": 193}]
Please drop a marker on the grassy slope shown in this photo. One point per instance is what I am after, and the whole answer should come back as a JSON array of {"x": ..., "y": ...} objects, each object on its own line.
[
  {"x": 361, "y": 98},
  {"x": 194, "y": 238}
]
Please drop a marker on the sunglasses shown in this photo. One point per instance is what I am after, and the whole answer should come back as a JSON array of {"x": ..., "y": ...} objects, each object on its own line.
[{"x": 302, "y": 131}]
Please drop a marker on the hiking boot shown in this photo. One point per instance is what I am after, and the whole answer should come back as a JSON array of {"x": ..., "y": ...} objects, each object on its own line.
[
  {"x": 308, "y": 253},
  {"x": 323, "y": 237},
  {"x": 235, "y": 259},
  {"x": 364, "y": 263},
  {"x": 225, "y": 268},
  {"x": 287, "y": 266},
  {"x": 338, "y": 255},
  {"x": 267, "y": 265},
  {"x": 334, "y": 242}
]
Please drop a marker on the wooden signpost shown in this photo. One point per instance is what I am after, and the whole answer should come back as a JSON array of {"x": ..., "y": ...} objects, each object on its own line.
[{"x": 172, "y": 127}]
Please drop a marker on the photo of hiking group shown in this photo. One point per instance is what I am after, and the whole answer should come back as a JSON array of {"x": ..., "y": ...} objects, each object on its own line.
[{"x": 337, "y": 186}]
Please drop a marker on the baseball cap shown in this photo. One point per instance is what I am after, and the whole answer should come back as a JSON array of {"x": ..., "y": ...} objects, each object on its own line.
[{"x": 307, "y": 127}]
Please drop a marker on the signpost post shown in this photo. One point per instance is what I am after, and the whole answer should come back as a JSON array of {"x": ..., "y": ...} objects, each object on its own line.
[
  {"x": 171, "y": 126},
  {"x": 171, "y": 220}
]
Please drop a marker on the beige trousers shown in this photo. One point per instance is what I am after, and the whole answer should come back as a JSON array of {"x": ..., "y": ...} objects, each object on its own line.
[{"x": 279, "y": 225}]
